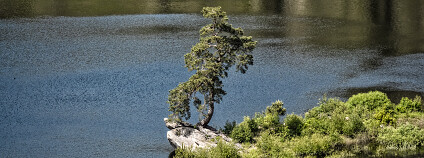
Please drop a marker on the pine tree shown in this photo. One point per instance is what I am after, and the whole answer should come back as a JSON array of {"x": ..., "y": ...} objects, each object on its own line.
[{"x": 220, "y": 47}]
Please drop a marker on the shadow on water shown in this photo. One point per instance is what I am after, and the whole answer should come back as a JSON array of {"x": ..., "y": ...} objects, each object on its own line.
[
  {"x": 172, "y": 154},
  {"x": 395, "y": 95}
]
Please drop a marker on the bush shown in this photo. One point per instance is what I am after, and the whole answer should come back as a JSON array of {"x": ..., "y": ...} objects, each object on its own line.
[
  {"x": 334, "y": 116},
  {"x": 373, "y": 127},
  {"x": 408, "y": 105},
  {"x": 313, "y": 125},
  {"x": 224, "y": 150},
  {"x": 404, "y": 137},
  {"x": 270, "y": 119},
  {"x": 245, "y": 131},
  {"x": 386, "y": 115},
  {"x": 325, "y": 108},
  {"x": 316, "y": 145},
  {"x": 353, "y": 125},
  {"x": 293, "y": 124},
  {"x": 336, "y": 123},
  {"x": 371, "y": 100},
  {"x": 277, "y": 108},
  {"x": 184, "y": 153},
  {"x": 272, "y": 146},
  {"x": 267, "y": 121},
  {"x": 228, "y": 127}
]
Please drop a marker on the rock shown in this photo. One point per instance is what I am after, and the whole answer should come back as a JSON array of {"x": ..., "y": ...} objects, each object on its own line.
[
  {"x": 184, "y": 134},
  {"x": 172, "y": 125}
]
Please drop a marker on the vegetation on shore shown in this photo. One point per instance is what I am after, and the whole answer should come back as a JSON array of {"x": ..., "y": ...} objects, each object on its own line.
[{"x": 367, "y": 124}]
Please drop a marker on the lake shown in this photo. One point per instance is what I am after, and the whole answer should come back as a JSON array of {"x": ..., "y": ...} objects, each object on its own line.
[{"x": 91, "y": 78}]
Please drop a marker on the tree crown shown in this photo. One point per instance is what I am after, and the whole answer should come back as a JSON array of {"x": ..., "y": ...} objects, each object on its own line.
[{"x": 220, "y": 47}]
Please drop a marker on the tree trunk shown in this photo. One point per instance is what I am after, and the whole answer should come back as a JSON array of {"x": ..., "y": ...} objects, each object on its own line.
[{"x": 208, "y": 117}]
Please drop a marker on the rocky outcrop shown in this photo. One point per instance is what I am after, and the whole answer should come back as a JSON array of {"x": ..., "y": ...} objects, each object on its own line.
[{"x": 183, "y": 133}]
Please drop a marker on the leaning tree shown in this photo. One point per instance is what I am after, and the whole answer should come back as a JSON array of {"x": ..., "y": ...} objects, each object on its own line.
[{"x": 220, "y": 47}]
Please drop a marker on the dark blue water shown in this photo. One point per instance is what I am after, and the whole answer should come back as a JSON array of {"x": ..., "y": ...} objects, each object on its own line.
[{"x": 98, "y": 86}]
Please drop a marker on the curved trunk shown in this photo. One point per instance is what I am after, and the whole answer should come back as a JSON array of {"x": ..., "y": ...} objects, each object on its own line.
[{"x": 208, "y": 117}]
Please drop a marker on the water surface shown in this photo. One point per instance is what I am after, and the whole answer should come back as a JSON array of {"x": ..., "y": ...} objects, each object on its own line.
[{"x": 91, "y": 78}]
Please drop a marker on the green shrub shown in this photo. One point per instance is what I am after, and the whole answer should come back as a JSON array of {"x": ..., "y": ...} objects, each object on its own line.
[
  {"x": 401, "y": 109},
  {"x": 316, "y": 145},
  {"x": 277, "y": 108},
  {"x": 337, "y": 123},
  {"x": 272, "y": 146},
  {"x": 293, "y": 124},
  {"x": 224, "y": 150},
  {"x": 334, "y": 116},
  {"x": 270, "y": 119},
  {"x": 314, "y": 125},
  {"x": 325, "y": 108},
  {"x": 245, "y": 131},
  {"x": 353, "y": 125},
  {"x": 409, "y": 105},
  {"x": 386, "y": 114},
  {"x": 267, "y": 121},
  {"x": 184, "y": 153},
  {"x": 370, "y": 100},
  {"x": 343, "y": 124},
  {"x": 363, "y": 112},
  {"x": 253, "y": 153},
  {"x": 373, "y": 127},
  {"x": 228, "y": 127},
  {"x": 406, "y": 136}
]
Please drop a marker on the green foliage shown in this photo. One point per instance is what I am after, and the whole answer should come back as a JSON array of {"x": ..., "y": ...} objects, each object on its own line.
[
  {"x": 346, "y": 124},
  {"x": 293, "y": 124},
  {"x": 373, "y": 127},
  {"x": 315, "y": 145},
  {"x": 329, "y": 117},
  {"x": 220, "y": 47},
  {"x": 253, "y": 153},
  {"x": 222, "y": 150},
  {"x": 325, "y": 108},
  {"x": 370, "y": 100},
  {"x": 337, "y": 123},
  {"x": 273, "y": 146},
  {"x": 315, "y": 125},
  {"x": 267, "y": 121},
  {"x": 386, "y": 114},
  {"x": 406, "y": 136},
  {"x": 409, "y": 105},
  {"x": 415, "y": 118},
  {"x": 228, "y": 127},
  {"x": 353, "y": 125},
  {"x": 245, "y": 131},
  {"x": 277, "y": 108},
  {"x": 363, "y": 126},
  {"x": 184, "y": 153},
  {"x": 270, "y": 119}
]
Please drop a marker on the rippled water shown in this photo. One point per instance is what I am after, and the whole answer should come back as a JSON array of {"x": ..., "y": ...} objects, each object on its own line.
[{"x": 78, "y": 82}]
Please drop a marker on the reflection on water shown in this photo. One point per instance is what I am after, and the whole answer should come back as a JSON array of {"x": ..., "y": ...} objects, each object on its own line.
[
  {"x": 90, "y": 78},
  {"x": 395, "y": 25}
]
